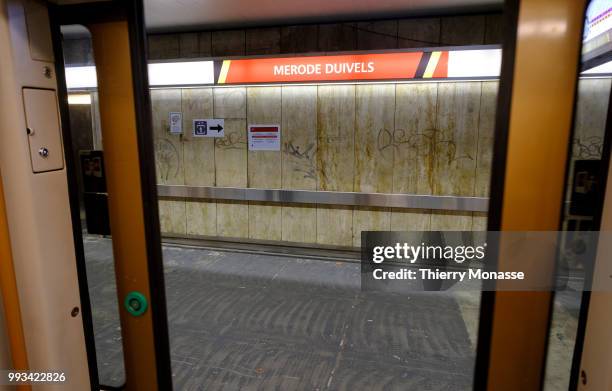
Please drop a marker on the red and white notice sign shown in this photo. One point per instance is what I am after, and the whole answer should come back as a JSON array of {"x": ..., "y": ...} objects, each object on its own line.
[{"x": 264, "y": 137}]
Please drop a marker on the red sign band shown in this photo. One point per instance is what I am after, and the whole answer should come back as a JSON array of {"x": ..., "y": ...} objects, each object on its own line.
[{"x": 354, "y": 67}]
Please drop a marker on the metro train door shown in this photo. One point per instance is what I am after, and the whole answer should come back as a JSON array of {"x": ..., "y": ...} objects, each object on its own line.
[
  {"x": 534, "y": 32},
  {"x": 118, "y": 36}
]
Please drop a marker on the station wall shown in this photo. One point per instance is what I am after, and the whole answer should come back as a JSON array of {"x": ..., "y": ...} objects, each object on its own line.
[
  {"x": 478, "y": 29},
  {"x": 419, "y": 138},
  {"x": 429, "y": 138},
  {"x": 590, "y": 119}
]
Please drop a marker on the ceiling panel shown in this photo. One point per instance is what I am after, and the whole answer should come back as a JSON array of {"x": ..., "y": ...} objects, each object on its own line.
[{"x": 176, "y": 15}]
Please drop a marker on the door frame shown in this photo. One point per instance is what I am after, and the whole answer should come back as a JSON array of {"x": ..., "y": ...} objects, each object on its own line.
[
  {"x": 107, "y": 14},
  {"x": 498, "y": 364},
  {"x": 512, "y": 342}
]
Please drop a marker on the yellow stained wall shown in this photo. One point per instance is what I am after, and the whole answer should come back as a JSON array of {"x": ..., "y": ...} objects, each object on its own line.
[{"x": 420, "y": 138}]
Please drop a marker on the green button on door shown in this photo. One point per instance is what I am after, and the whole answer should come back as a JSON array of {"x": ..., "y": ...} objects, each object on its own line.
[{"x": 136, "y": 303}]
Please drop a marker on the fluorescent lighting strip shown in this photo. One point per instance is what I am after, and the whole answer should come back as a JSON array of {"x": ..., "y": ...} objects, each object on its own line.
[
  {"x": 79, "y": 99},
  {"x": 474, "y": 63},
  {"x": 478, "y": 64},
  {"x": 160, "y": 74},
  {"x": 181, "y": 73},
  {"x": 81, "y": 77}
]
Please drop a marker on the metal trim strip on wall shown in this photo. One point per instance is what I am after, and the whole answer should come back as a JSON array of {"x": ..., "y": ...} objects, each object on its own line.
[{"x": 385, "y": 200}]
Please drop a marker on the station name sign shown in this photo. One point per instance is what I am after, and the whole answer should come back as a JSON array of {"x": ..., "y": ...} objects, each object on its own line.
[
  {"x": 390, "y": 66},
  {"x": 354, "y": 67}
]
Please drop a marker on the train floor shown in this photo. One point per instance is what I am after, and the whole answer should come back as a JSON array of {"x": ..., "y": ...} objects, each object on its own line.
[{"x": 243, "y": 321}]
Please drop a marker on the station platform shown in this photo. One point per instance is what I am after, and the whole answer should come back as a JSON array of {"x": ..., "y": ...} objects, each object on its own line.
[
  {"x": 251, "y": 321},
  {"x": 239, "y": 320}
]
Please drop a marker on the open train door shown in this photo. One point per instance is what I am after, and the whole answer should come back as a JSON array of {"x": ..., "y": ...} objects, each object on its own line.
[
  {"x": 541, "y": 53},
  {"x": 118, "y": 38}
]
